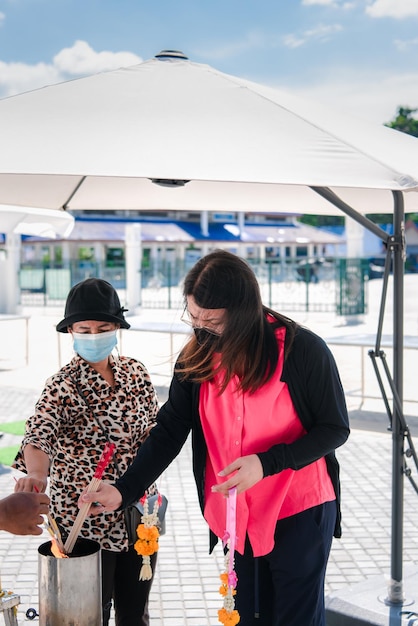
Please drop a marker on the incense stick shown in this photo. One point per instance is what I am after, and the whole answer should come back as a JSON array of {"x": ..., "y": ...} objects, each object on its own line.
[
  {"x": 81, "y": 516},
  {"x": 93, "y": 487},
  {"x": 52, "y": 526},
  {"x": 56, "y": 532}
]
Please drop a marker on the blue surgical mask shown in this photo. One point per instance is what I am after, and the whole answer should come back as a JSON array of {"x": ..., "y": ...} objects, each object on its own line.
[{"x": 94, "y": 347}]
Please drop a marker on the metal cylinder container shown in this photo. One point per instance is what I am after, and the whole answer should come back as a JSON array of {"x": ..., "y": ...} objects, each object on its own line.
[{"x": 70, "y": 591}]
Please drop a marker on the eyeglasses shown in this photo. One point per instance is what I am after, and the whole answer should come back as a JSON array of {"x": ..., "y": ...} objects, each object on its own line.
[{"x": 185, "y": 318}]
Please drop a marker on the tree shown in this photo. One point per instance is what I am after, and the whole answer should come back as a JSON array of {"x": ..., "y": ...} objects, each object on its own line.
[
  {"x": 405, "y": 122},
  {"x": 409, "y": 125},
  {"x": 322, "y": 220}
]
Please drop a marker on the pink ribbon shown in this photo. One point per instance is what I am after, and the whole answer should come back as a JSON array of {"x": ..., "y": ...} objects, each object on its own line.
[{"x": 230, "y": 533}]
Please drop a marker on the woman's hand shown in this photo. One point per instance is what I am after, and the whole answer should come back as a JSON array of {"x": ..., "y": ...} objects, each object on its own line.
[
  {"x": 34, "y": 481},
  {"x": 37, "y": 470},
  {"x": 106, "y": 498},
  {"x": 247, "y": 471}
]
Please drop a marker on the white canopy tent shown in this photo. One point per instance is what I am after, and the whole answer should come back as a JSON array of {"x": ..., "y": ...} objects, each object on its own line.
[
  {"x": 106, "y": 141},
  {"x": 17, "y": 221},
  {"x": 35, "y": 222},
  {"x": 172, "y": 134}
]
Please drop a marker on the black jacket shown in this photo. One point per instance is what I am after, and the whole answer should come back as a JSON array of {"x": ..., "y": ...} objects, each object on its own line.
[{"x": 316, "y": 391}]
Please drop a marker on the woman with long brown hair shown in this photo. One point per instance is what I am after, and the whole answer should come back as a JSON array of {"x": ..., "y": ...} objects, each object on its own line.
[{"x": 263, "y": 399}]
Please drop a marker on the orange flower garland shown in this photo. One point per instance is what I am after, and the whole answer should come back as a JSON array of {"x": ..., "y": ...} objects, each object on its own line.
[
  {"x": 228, "y": 615},
  {"x": 228, "y": 618},
  {"x": 148, "y": 535}
]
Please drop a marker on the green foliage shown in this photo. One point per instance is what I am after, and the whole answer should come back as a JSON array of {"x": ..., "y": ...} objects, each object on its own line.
[
  {"x": 322, "y": 220},
  {"x": 405, "y": 122}
]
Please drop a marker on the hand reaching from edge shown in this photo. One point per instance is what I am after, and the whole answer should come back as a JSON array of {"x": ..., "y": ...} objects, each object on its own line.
[{"x": 21, "y": 513}]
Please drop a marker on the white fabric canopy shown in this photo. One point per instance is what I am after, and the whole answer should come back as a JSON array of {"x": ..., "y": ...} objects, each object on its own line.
[
  {"x": 36, "y": 222},
  {"x": 16, "y": 221},
  {"x": 98, "y": 142}
]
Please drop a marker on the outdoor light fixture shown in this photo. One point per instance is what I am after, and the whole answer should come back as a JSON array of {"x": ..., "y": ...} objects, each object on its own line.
[{"x": 169, "y": 182}]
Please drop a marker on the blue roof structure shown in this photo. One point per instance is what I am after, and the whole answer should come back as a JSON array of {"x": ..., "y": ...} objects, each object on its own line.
[{"x": 175, "y": 231}]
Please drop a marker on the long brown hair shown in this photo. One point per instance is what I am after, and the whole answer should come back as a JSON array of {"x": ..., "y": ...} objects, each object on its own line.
[{"x": 247, "y": 347}]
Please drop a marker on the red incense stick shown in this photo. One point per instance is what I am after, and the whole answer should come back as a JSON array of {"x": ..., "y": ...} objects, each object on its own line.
[{"x": 93, "y": 486}]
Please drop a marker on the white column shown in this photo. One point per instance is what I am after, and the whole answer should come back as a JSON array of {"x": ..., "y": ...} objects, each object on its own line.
[
  {"x": 9, "y": 271},
  {"x": 204, "y": 223},
  {"x": 354, "y": 233},
  {"x": 241, "y": 222},
  {"x": 133, "y": 259},
  {"x": 99, "y": 253},
  {"x": 66, "y": 253}
]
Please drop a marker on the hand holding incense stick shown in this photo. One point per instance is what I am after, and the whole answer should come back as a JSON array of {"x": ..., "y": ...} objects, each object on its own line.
[{"x": 93, "y": 486}]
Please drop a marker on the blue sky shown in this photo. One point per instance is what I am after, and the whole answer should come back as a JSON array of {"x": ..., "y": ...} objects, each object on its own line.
[{"x": 360, "y": 56}]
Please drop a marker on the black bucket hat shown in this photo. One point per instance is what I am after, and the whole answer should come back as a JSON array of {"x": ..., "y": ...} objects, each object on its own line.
[{"x": 92, "y": 299}]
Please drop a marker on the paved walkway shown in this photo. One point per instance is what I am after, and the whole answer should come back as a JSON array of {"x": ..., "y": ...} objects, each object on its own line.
[{"x": 185, "y": 591}]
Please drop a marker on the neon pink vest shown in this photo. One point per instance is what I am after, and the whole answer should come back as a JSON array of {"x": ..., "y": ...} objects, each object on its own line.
[{"x": 237, "y": 424}]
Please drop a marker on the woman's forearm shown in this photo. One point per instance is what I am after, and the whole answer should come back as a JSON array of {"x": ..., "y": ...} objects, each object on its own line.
[{"x": 37, "y": 469}]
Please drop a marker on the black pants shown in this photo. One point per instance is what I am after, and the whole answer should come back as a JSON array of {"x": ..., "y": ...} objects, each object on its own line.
[
  {"x": 120, "y": 583},
  {"x": 286, "y": 587}
]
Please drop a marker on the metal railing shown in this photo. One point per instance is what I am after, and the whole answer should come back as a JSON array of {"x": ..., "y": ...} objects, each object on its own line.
[{"x": 301, "y": 285}]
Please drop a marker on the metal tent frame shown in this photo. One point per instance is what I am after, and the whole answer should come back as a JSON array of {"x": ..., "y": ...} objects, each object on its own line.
[
  {"x": 395, "y": 259},
  {"x": 278, "y": 145}
]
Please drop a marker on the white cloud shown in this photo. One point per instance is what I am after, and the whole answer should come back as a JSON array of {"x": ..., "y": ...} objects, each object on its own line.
[
  {"x": 257, "y": 40},
  {"x": 19, "y": 77},
  {"x": 2, "y": 18},
  {"x": 233, "y": 48},
  {"x": 373, "y": 97},
  {"x": 336, "y": 4},
  {"x": 321, "y": 2},
  {"x": 404, "y": 45},
  {"x": 79, "y": 60},
  {"x": 292, "y": 41},
  {"x": 398, "y": 9},
  {"x": 321, "y": 33}
]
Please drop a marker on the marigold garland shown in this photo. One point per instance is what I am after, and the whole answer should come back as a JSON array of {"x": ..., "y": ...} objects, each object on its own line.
[
  {"x": 148, "y": 535},
  {"x": 228, "y": 618},
  {"x": 228, "y": 615}
]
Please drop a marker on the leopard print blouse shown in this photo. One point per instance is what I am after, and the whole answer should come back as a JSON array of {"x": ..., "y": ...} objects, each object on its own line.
[{"x": 64, "y": 428}]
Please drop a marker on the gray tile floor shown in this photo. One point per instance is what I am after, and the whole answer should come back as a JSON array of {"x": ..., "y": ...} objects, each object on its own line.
[
  {"x": 186, "y": 584},
  {"x": 185, "y": 591}
]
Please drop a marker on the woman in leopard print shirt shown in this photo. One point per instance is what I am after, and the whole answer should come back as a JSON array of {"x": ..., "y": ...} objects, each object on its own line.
[{"x": 64, "y": 439}]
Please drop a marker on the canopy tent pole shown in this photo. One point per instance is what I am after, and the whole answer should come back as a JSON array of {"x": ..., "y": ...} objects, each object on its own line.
[
  {"x": 398, "y": 248},
  {"x": 395, "y": 246},
  {"x": 332, "y": 197}
]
